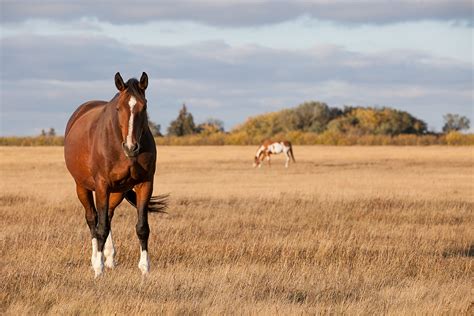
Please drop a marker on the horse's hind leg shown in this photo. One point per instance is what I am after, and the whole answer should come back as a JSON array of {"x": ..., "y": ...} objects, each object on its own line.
[
  {"x": 144, "y": 191},
  {"x": 287, "y": 154},
  {"x": 87, "y": 200},
  {"x": 109, "y": 249}
]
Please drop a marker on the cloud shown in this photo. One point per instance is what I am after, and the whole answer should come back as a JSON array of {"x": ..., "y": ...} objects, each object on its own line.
[
  {"x": 52, "y": 75},
  {"x": 61, "y": 58},
  {"x": 233, "y": 13},
  {"x": 73, "y": 58}
]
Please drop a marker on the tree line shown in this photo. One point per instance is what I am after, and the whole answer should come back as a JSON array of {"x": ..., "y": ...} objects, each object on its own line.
[
  {"x": 309, "y": 123},
  {"x": 318, "y": 117},
  {"x": 313, "y": 123}
]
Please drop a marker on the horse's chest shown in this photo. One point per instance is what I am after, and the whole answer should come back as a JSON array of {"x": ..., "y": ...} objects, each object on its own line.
[{"x": 127, "y": 175}]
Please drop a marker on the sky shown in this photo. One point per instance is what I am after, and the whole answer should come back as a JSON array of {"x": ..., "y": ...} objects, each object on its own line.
[{"x": 234, "y": 59}]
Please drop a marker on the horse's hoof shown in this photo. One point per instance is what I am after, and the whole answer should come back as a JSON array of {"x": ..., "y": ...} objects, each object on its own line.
[
  {"x": 144, "y": 263},
  {"x": 98, "y": 269},
  {"x": 98, "y": 272},
  {"x": 144, "y": 268},
  {"x": 109, "y": 263},
  {"x": 98, "y": 264}
]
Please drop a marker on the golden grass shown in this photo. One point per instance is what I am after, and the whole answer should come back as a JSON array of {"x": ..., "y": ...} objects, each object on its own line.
[{"x": 355, "y": 230}]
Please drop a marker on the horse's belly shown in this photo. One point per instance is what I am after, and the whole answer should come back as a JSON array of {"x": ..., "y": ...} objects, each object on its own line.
[
  {"x": 77, "y": 155},
  {"x": 276, "y": 148},
  {"x": 77, "y": 166}
]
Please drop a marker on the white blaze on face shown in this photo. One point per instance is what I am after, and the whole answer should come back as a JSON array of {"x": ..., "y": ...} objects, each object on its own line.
[{"x": 131, "y": 103}]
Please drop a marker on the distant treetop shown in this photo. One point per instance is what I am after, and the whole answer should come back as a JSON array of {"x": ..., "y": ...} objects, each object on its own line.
[
  {"x": 455, "y": 122},
  {"x": 183, "y": 125},
  {"x": 318, "y": 117}
]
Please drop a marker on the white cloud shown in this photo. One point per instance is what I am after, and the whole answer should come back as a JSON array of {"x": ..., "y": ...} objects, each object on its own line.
[
  {"x": 242, "y": 13},
  {"x": 53, "y": 75}
]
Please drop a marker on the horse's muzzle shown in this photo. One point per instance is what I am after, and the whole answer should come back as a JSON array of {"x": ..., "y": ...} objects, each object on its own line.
[{"x": 131, "y": 152}]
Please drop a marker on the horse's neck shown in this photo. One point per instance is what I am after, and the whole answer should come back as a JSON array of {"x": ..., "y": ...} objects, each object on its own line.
[{"x": 108, "y": 125}]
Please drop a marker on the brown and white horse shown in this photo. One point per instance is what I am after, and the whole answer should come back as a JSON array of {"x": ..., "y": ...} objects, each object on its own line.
[
  {"x": 109, "y": 150},
  {"x": 269, "y": 148}
]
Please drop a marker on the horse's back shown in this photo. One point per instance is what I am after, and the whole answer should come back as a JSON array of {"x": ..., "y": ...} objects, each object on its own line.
[
  {"x": 81, "y": 111},
  {"x": 269, "y": 142}
]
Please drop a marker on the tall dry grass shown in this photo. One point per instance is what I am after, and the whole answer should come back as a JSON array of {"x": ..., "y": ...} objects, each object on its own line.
[
  {"x": 355, "y": 230},
  {"x": 296, "y": 137}
]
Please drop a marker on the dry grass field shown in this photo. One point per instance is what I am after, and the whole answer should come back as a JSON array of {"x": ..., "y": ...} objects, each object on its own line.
[{"x": 353, "y": 230}]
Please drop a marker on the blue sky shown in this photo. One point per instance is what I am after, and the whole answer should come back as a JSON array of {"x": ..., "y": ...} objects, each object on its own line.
[{"x": 233, "y": 59}]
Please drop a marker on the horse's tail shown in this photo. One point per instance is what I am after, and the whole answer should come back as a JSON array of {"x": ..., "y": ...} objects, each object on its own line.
[
  {"x": 157, "y": 204},
  {"x": 291, "y": 152}
]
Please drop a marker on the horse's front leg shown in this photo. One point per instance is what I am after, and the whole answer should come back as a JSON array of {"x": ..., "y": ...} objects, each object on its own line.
[
  {"x": 103, "y": 226},
  {"x": 87, "y": 200},
  {"x": 144, "y": 191}
]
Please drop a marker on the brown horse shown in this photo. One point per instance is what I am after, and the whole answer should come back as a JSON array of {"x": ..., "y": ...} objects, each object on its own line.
[{"x": 110, "y": 150}]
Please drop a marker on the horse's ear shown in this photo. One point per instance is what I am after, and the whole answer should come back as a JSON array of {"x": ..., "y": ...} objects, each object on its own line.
[
  {"x": 143, "y": 81},
  {"x": 119, "y": 82}
]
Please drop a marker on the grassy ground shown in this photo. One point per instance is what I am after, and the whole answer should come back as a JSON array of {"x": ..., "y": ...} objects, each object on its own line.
[{"x": 352, "y": 230}]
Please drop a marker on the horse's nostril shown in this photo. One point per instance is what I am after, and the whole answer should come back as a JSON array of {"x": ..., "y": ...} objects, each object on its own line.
[{"x": 131, "y": 151}]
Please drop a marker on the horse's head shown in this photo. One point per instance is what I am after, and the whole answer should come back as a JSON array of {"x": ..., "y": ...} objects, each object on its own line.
[
  {"x": 258, "y": 159},
  {"x": 259, "y": 156},
  {"x": 131, "y": 112}
]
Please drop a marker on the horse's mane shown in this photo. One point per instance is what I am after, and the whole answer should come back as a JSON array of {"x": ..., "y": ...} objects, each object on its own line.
[{"x": 134, "y": 89}]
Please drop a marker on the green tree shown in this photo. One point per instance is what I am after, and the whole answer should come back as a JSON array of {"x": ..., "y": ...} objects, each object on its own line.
[
  {"x": 313, "y": 116},
  {"x": 210, "y": 126},
  {"x": 183, "y": 125},
  {"x": 155, "y": 129},
  {"x": 262, "y": 126},
  {"x": 376, "y": 121},
  {"x": 307, "y": 117},
  {"x": 455, "y": 122}
]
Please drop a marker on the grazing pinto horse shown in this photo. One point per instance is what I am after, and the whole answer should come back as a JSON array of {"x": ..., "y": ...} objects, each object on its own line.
[
  {"x": 110, "y": 150},
  {"x": 269, "y": 147}
]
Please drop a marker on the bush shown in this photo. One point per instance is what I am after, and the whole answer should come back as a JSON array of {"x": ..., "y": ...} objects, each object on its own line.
[
  {"x": 32, "y": 141},
  {"x": 375, "y": 121},
  {"x": 456, "y": 138},
  {"x": 295, "y": 137}
]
